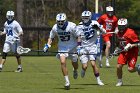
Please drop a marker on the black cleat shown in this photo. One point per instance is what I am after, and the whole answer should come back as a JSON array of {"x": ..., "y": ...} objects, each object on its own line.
[
  {"x": 0, "y": 69},
  {"x": 19, "y": 70}
]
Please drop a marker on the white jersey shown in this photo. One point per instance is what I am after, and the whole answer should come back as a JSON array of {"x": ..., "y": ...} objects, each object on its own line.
[
  {"x": 67, "y": 37},
  {"x": 88, "y": 34},
  {"x": 12, "y": 31}
]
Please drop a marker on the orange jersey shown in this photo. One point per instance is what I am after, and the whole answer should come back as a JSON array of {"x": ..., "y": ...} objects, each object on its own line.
[
  {"x": 129, "y": 57},
  {"x": 109, "y": 23}
]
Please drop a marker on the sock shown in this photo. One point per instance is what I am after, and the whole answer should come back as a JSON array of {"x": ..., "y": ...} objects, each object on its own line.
[
  {"x": 0, "y": 65},
  {"x": 66, "y": 78},
  {"x": 119, "y": 80},
  {"x": 19, "y": 66},
  {"x": 107, "y": 60},
  {"x": 98, "y": 78}
]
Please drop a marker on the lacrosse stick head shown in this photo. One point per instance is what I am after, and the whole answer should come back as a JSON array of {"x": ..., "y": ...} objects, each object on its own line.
[{"x": 21, "y": 50}]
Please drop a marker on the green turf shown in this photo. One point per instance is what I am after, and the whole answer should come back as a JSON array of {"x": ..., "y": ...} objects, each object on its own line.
[{"x": 43, "y": 75}]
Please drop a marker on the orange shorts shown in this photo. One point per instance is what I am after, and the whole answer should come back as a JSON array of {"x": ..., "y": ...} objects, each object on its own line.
[
  {"x": 106, "y": 38},
  {"x": 128, "y": 58}
]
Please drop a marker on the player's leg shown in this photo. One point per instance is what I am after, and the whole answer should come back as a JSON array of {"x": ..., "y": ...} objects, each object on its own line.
[
  {"x": 6, "y": 49},
  {"x": 14, "y": 50},
  {"x": 64, "y": 70},
  {"x": 131, "y": 63},
  {"x": 122, "y": 60},
  {"x": 84, "y": 60},
  {"x": 96, "y": 72},
  {"x": 119, "y": 74},
  {"x": 74, "y": 59},
  {"x": 19, "y": 68},
  {"x": 107, "y": 51}
]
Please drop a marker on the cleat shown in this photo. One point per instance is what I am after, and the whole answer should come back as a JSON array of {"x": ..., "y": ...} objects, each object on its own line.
[
  {"x": 107, "y": 64},
  {"x": 75, "y": 74},
  {"x": 100, "y": 65},
  {"x": 120, "y": 83},
  {"x": 0, "y": 69},
  {"x": 67, "y": 86},
  {"x": 99, "y": 82},
  {"x": 19, "y": 70},
  {"x": 82, "y": 73}
]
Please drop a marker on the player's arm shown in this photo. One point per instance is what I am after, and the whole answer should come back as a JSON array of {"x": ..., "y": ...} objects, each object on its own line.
[
  {"x": 2, "y": 33},
  {"x": 137, "y": 44}
]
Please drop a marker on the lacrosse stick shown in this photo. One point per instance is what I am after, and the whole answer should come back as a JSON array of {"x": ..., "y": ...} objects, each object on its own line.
[
  {"x": 116, "y": 52},
  {"x": 21, "y": 50},
  {"x": 111, "y": 33}
]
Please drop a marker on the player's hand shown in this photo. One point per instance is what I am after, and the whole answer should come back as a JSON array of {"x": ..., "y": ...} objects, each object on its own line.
[
  {"x": 79, "y": 48},
  {"x": 15, "y": 39},
  {"x": 95, "y": 26},
  {"x": 46, "y": 47},
  {"x": 127, "y": 47}
]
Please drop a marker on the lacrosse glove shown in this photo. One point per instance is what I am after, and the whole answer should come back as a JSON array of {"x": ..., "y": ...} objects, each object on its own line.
[
  {"x": 79, "y": 48},
  {"x": 127, "y": 47},
  {"x": 46, "y": 47}
]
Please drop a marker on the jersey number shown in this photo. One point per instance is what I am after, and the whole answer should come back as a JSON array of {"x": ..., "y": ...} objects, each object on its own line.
[
  {"x": 65, "y": 38},
  {"x": 89, "y": 34},
  {"x": 9, "y": 32}
]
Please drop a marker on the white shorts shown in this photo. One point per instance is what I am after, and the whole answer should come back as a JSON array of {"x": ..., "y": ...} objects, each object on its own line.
[
  {"x": 72, "y": 57},
  {"x": 10, "y": 46},
  {"x": 89, "y": 50}
]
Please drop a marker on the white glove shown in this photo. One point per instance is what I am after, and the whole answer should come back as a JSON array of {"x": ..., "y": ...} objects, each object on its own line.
[
  {"x": 127, "y": 47},
  {"x": 79, "y": 48},
  {"x": 46, "y": 47},
  {"x": 15, "y": 39}
]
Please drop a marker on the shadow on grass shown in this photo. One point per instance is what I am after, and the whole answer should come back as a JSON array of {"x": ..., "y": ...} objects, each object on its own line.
[
  {"x": 130, "y": 85},
  {"x": 70, "y": 88}
]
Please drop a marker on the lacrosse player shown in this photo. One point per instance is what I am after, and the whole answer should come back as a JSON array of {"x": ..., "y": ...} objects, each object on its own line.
[
  {"x": 65, "y": 31},
  {"x": 13, "y": 31},
  {"x": 109, "y": 22},
  {"x": 128, "y": 41},
  {"x": 87, "y": 29}
]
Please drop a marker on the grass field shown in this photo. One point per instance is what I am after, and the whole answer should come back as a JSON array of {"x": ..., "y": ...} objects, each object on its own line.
[{"x": 43, "y": 75}]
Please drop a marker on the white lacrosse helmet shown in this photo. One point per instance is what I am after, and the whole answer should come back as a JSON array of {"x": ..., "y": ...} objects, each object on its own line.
[
  {"x": 122, "y": 24},
  {"x": 10, "y": 15},
  {"x": 86, "y": 16},
  {"x": 61, "y": 19},
  {"x": 109, "y": 10}
]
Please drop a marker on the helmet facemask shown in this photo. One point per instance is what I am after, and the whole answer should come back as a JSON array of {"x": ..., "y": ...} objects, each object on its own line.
[
  {"x": 122, "y": 24},
  {"x": 10, "y": 15},
  {"x": 109, "y": 11},
  {"x": 86, "y": 17},
  {"x": 61, "y": 19}
]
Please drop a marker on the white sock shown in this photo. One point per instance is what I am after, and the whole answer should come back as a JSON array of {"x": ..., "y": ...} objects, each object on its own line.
[
  {"x": 19, "y": 66},
  {"x": 107, "y": 61},
  {"x": 119, "y": 80},
  {"x": 98, "y": 78},
  {"x": 66, "y": 78},
  {"x": 1, "y": 65}
]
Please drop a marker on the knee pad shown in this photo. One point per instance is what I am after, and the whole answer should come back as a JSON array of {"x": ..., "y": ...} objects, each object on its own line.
[{"x": 4, "y": 55}]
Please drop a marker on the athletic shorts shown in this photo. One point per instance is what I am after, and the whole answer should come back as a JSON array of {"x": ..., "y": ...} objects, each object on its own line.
[
  {"x": 106, "y": 38},
  {"x": 10, "y": 47},
  {"x": 128, "y": 58}
]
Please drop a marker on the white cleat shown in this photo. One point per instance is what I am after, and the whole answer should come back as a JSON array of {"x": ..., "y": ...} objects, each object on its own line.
[
  {"x": 107, "y": 64},
  {"x": 100, "y": 65},
  {"x": 67, "y": 86},
  {"x": 99, "y": 82},
  {"x": 120, "y": 83},
  {"x": 82, "y": 73},
  {"x": 75, "y": 74}
]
